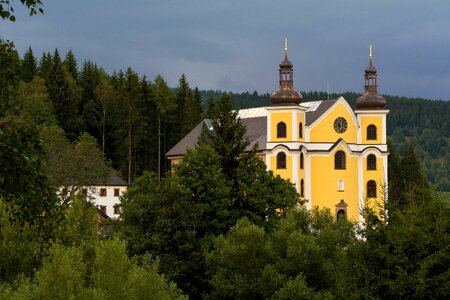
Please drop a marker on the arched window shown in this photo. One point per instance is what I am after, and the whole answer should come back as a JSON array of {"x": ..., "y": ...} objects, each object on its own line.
[
  {"x": 340, "y": 185},
  {"x": 371, "y": 162},
  {"x": 281, "y": 130},
  {"x": 281, "y": 160},
  {"x": 371, "y": 189},
  {"x": 341, "y": 210},
  {"x": 339, "y": 160},
  {"x": 302, "y": 159},
  {"x": 341, "y": 215},
  {"x": 302, "y": 188},
  {"x": 300, "y": 130},
  {"x": 371, "y": 132}
]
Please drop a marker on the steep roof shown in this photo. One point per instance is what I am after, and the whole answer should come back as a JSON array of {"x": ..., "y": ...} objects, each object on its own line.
[{"x": 255, "y": 120}]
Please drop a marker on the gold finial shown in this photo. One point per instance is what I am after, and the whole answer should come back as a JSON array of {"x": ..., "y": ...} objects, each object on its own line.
[
  {"x": 370, "y": 52},
  {"x": 285, "y": 46}
]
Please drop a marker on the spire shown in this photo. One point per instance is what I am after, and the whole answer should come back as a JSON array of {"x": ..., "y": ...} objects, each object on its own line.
[
  {"x": 286, "y": 94},
  {"x": 370, "y": 99},
  {"x": 285, "y": 47}
]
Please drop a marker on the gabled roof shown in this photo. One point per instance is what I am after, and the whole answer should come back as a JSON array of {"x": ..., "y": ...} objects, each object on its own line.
[{"x": 255, "y": 120}]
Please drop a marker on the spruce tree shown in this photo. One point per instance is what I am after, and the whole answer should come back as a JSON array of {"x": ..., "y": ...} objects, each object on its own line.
[
  {"x": 71, "y": 65},
  {"x": 65, "y": 97},
  {"x": 28, "y": 67},
  {"x": 45, "y": 67}
]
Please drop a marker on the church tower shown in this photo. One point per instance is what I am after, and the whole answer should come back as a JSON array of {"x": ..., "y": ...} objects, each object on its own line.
[
  {"x": 285, "y": 126},
  {"x": 371, "y": 113}
]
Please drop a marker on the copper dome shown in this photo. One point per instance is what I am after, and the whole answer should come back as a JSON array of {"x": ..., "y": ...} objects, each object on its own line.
[{"x": 286, "y": 94}]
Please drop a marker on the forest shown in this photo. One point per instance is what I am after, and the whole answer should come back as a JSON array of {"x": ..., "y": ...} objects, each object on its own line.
[{"x": 218, "y": 226}]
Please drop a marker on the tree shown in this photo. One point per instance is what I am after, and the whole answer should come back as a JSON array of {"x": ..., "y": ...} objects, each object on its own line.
[
  {"x": 20, "y": 244},
  {"x": 10, "y": 64},
  {"x": 73, "y": 166},
  {"x": 34, "y": 102},
  {"x": 101, "y": 111},
  {"x": 300, "y": 259},
  {"x": 22, "y": 174},
  {"x": 71, "y": 65},
  {"x": 7, "y": 11},
  {"x": 228, "y": 138},
  {"x": 28, "y": 67},
  {"x": 165, "y": 104},
  {"x": 65, "y": 96},
  {"x": 175, "y": 218}
]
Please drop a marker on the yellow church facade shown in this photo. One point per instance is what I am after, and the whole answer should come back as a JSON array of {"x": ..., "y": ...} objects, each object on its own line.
[{"x": 334, "y": 155}]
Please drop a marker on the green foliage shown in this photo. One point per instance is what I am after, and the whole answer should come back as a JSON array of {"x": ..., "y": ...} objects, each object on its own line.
[
  {"x": 72, "y": 165},
  {"x": 7, "y": 10},
  {"x": 405, "y": 258},
  {"x": 34, "y": 102},
  {"x": 22, "y": 178},
  {"x": 228, "y": 138},
  {"x": 28, "y": 66},
  {"x": 20, "y": 245},
  {"x": 298, "y": 260},
  {"x": 10, "y": 64},
  {"x": 115, "y": 276}
]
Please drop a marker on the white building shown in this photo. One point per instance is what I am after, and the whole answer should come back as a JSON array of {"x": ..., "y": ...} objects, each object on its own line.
[{"x": 106, "y": 195}]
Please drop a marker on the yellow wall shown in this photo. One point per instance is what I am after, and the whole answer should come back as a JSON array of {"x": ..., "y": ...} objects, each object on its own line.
[
  {"x": 301, "y": 118},
  {"x": 371, "y": 120},
  {"x": 284, "y": 173},
  {"x": 285, "y": 117},
  {"x": 324, "y": 186},
  {"x": 324, "y": 130}
]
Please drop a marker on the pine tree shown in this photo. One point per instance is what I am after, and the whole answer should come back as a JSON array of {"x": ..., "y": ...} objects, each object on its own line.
[
  {"x": 45, "y": 67},
  {"x": 28, "y": 68},
  {"x": 166, "y": 105},
  {"x": 228, "y": 138},
  {"x": 65, "y": 97},
  {"x": 71, "y": 65},
  {"x": 88, "y": 80}
]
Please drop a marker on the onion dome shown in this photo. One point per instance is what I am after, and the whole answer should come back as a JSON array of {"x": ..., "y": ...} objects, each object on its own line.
[
  {"x": 286, "y": 94},
  {"x": 370, "y": 99}
]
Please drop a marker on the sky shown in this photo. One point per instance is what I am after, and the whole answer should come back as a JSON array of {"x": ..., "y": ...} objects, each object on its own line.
[{"x": 236, "y": 45}]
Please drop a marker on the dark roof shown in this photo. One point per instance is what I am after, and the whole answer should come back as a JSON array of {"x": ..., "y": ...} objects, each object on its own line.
[
  {"x": 112, "y": 180},
  {"x": 256, "y": 130},
  {"x": 189, "y": 141},
  {"x": 312, "y": 116}
]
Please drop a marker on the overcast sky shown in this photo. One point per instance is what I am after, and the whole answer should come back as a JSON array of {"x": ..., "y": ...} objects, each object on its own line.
[{"x": 236, "y": 45}]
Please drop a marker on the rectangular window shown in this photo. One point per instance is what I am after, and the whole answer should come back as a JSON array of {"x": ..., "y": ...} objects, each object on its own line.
[
  {"x": 103, "y": 209},
  {"x": 116, "y": 192},
  {"x": 84, "y": 192},
  {"x": 102, "y": 192},
  {"x": 116, "y": 209}
]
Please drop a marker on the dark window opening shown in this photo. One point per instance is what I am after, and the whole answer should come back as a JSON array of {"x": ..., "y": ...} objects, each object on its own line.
[
  {"x": 339, "y": 160},
  {"x": 302, "y": 188},
  {"x": 300, "y": 130},
  {"x": 371, "y": 189},
  {"x": 281, "y": 130},
  {"x": 281, "y": 160},
  {"x": 371, "y": 162},
  {"x": 103, "y": 192},
  {"x": 116, "y": 192},
  {"x": 301, "y": 160},
  {"x": 341, "y": 215},
  {"x": 371, "y": 132}
]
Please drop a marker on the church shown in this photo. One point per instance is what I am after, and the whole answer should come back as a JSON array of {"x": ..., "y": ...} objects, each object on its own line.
[{"x": 336, "y": 157}]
